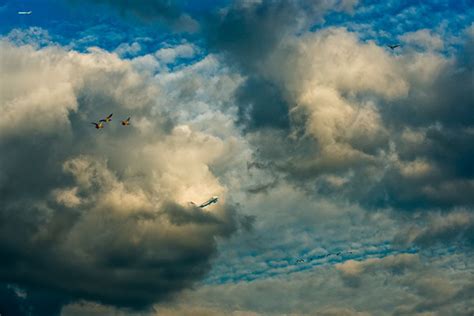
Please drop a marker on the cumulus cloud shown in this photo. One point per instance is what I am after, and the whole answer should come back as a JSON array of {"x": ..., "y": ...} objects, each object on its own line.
[
  {"x": 125, "y": 49},
  {"x": 103, "y": 214},
  {"x": 169, "y": 55},
  {"x": 424, "y": 39},
  {"x": 302, "y": 122},
  {"x": 246, "y": 33},
  {"x": 376, "y": 120}
]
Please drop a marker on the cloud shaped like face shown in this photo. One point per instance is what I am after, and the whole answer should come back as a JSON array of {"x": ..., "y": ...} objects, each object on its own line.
[{"x": 100, "y": 214}]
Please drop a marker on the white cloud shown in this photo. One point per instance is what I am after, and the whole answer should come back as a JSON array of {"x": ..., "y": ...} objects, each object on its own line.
[{"x": 169, "y": 55}]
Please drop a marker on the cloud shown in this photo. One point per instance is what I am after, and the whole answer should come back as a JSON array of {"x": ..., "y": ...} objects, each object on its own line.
[
  {"x": 125, "y": 49},
  {"x": 103, "y": 214},
  {"x": 401, "y": 284},
  {"x": 33, "y": 35},
  {"x": 351, "y": 271},
  {"x": 391, "y": 126},
  {"x": 441, "y": 229},
  {"x": 246, "y": 33},
  {"x": 424, "y": 39},
  {"x": 169, "y": 55}
]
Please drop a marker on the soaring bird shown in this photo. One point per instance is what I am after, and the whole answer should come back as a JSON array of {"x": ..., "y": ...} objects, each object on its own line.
[
  {"x": 212, "y": 200},
  {"x": 392, "y": 47},
  {"x": 98, "y": 125},
  {"x": 107, "y": 119},
  {"x": 300, "y": 260},
  {"x": 126, "y": 122}
]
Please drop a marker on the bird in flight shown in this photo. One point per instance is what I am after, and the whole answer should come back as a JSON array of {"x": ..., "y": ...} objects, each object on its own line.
[
  {"x": 392, "y": 47},
  {"x": 25, "y": 12},
  {"x": 107, "y": 119},
  {"x": 212, "y": 200},
  {"x": 300, "y": 260},
  {"x": 126, "y": 122},
  {"x": 98, "y": 125}
]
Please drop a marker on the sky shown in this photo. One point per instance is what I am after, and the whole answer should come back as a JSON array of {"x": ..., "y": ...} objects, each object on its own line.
[{"x": 344, "y": 168}]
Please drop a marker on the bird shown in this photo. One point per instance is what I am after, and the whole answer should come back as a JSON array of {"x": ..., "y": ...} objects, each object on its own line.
[
  {"x": 126, "y": 122},
  {"x": 98, "y": 125},
  {"x": 25, "y": 12},
  {"x": 212, "y": 200},
  {"x": 392, "y": 47},
  {"x": 300, "y": 260},
  {"x": 107, "y": 119}
]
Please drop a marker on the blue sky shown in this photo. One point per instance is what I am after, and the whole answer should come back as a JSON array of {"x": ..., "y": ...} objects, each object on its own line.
[
  {"x": 322, "y": 143},
  {"x": 382, "y": 22}
]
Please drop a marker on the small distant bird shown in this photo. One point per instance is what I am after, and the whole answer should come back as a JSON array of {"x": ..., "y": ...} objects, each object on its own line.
[
  {"x": 107, "y": 119},
  {"x": 98, "y": 125},
  {"x": 300, "y": 260},
  {"x": 392, "y": 47},
  {"x": 126, "y": 122},
  {"x": 25, "y": 12}
]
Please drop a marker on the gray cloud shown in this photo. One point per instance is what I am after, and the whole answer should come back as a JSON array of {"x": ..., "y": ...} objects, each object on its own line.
[
  {"x": 396, "y": 285},
  {"x": 246, "y": 34},
  {"x": 379, "y": 136},
  {"x": 101, "y": 215},
  {"x": 454, "y": 227}
]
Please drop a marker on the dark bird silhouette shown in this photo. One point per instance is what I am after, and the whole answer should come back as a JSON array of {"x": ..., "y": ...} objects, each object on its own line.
[
  {"x": 98, "y": 125},
  {"x": 126, "y": 122},
  {"x": 107, "y": 119},
  {"x": 300, "y": 260},
  {"x": 212, "y": 200},
  {"x": 392, "y": 47}
]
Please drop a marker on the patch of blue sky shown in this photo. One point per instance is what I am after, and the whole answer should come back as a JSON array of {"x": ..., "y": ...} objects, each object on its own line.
[
  {"x": 385, "y": 21},
  {"x": 81, "y": 25},
  {"x": 266, "y": 265}
]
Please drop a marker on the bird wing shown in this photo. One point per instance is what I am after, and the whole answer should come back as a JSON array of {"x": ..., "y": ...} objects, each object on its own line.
[
  {"x": 102, "y": 121},
  {"x": 94, "y": 123},
  {"x": 110, "y": 115}
]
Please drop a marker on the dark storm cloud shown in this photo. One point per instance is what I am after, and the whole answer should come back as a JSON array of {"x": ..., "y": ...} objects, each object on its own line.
[
  {"x": 261, "y": 105},
  {"x": 81, "y": 215},
  {"x": 37, "y": 301},
  {"x": 245, "y": 34}
]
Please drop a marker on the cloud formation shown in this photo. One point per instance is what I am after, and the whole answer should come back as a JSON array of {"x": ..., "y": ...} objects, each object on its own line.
[
  {"x": 100, "y": 215},
  {"x": 339, "y": 150},
  {"x": 376, "y": 121}
]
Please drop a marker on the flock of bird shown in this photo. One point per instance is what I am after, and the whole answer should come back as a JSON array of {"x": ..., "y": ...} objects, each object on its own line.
[{"x": 101, "y": 122}]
